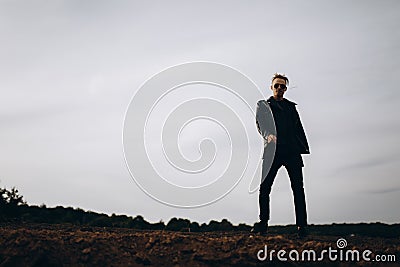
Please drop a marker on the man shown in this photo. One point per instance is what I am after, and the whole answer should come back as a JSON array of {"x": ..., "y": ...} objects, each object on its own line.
[{"x": 290, "y": 140}]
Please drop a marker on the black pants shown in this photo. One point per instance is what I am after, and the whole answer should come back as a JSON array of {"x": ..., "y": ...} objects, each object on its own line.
[{"x": 293, "y": 164}]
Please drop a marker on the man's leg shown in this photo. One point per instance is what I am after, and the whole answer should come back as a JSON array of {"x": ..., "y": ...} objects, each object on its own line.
[
  {"x": 294, "y": 169},
  {"x": 265, "y": 188}
]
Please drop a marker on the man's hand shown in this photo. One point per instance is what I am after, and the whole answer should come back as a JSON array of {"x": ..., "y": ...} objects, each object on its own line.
[{"x": 270, "y": 138}]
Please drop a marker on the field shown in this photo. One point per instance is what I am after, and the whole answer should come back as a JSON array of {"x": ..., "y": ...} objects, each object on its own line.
[{"x": 33, "y": 244}]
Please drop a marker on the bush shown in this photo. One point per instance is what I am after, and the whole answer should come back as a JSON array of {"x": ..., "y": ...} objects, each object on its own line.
[{"x": 9, "y": 202}]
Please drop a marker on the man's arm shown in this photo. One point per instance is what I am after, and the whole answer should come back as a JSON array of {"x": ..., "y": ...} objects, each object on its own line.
[
  {"x": 264, "y": 121},
  {"x": 301, "y": 135}
]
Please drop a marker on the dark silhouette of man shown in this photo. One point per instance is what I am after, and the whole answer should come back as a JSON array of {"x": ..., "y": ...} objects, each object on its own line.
[{"x": 290, "y": 142}]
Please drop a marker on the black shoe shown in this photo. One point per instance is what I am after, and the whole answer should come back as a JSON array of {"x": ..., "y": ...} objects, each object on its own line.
[
  {"x": 259, "y": 228},
  {"x": 302, "y": 231}
]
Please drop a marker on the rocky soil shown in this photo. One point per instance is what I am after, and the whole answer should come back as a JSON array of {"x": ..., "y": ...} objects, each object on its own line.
[{"x": 67, "y": 245}]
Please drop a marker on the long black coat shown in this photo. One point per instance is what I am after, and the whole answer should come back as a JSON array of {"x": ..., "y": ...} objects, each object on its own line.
[{"x": 265, "y": 125}]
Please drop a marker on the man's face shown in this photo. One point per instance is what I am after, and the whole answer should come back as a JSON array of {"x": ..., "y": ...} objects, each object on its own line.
[{"x": 279, "y": 87}]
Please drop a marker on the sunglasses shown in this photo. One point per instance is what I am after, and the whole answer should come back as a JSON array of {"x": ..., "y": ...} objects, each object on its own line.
[{"x": 283, "y": 86}]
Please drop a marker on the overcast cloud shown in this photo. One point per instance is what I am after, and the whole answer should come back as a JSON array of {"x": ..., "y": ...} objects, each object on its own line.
[{"x": 68, "y": 70}]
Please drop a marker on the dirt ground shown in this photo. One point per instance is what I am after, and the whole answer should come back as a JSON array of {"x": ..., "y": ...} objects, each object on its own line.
[{"x": 66, "y": 245}]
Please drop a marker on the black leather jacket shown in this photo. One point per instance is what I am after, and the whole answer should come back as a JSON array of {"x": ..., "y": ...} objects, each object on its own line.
[{"x": 265, "y": 124}]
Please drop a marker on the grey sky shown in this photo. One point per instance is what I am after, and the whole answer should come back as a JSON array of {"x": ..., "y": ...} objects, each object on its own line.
[{"x": 68, "y": 70}]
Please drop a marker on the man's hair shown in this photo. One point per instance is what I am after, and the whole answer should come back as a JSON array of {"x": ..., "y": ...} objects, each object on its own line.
[{"x": 280, "y": 76}]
